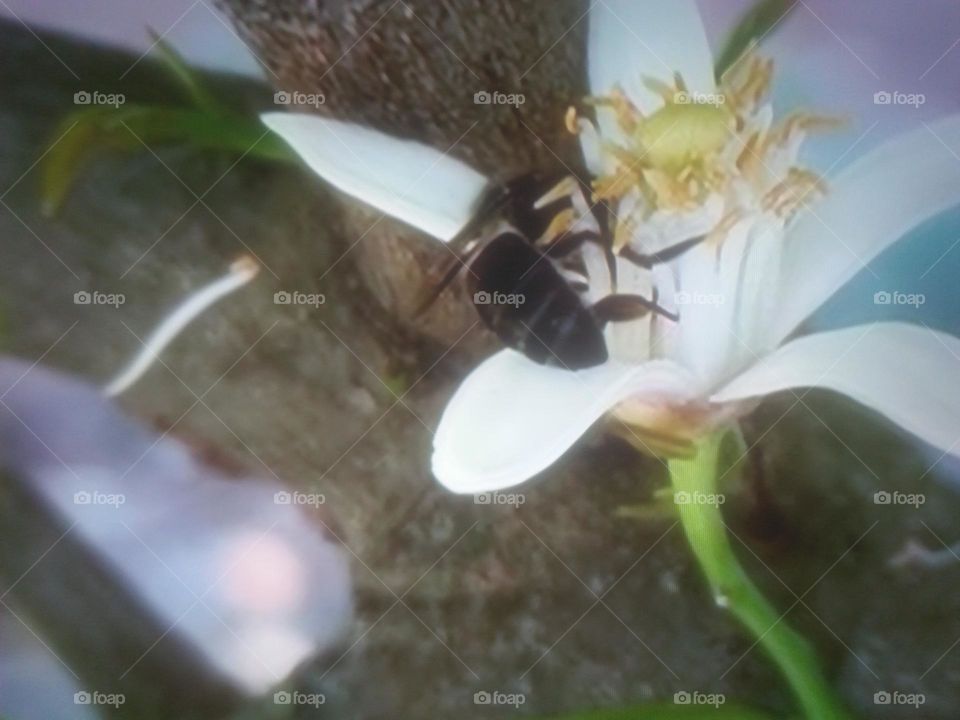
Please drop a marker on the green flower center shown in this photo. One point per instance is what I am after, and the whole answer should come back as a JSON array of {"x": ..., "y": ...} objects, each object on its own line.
[{"x": 681, "y": 135}]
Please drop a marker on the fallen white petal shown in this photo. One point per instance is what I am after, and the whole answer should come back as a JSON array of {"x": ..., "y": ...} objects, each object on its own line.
[
  {"x": 241, "y": 272},
  {"x": 630, "y": 40},
  {"x": 873, "y": 203},
  {"x": 416, "y": 183},
  {"x": 512, "y": 418},
  {"x": 906, "y": 372}
]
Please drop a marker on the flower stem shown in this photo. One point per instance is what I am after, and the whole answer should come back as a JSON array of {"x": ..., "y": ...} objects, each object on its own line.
[{"x": 703, "y": 525}]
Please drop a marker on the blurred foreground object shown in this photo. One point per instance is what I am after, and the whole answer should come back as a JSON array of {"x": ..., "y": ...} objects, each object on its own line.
[{"x": 148, "y": 572}]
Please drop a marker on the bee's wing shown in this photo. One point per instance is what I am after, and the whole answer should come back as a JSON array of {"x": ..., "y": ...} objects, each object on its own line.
[
  {"x": 441, "y": 277},
  {"x": 465, "y": 245}
]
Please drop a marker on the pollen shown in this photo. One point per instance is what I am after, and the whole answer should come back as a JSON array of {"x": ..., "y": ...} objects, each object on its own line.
[{"x": 698, "y": 145}]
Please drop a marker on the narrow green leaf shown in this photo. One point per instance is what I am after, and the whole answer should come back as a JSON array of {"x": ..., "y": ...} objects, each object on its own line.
[
  {"x": 232, "y": 133},
  {"x": 75, "y": 138},
  {"x": 184, "y": 74},
  {"x": 129, "y": 128},
  {"x": 755, "y": 24}
]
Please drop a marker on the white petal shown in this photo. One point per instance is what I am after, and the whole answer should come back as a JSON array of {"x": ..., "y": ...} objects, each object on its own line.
[
  {"x": 871, "y": 204},
  {"x": 408, "y": 180},
  {"x": 908, "y": 373},
  {"x": 708, "y": 281},
  {"x": 512, "y": 418},
  {"x": 629, "y": 341},
  {"x": 631, "y": 40},
  {"x": 666, "y": 228}
]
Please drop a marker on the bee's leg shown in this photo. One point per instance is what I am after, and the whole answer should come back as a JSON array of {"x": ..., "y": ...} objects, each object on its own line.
[
  {"x": 445, "y": 274},
  {"x": 622, "y": 308},
  {"x": 665, "y": 255},
  {"x": 570, "y": 242}
]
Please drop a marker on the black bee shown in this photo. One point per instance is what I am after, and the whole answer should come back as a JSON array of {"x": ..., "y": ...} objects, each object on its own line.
[{"x": 520, "y": 279}]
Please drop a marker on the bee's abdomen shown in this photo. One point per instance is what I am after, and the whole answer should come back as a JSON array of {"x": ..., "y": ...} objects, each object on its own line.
[{"x": 529, "y": 305}]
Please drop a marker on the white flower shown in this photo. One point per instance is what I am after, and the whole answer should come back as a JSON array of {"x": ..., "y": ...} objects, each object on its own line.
[{"x": 677, "y": 157}]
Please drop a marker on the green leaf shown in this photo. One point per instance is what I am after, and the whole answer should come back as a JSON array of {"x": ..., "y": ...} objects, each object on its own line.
[
  {"x": 755, "y": 24},
  {"x": 73, "y": 142},
  {"x": 135, "y": 128},
  {"x": 232, "y": 133},
  {"x": 671, "y": 711},
  {"x": 184, "y": 74}
]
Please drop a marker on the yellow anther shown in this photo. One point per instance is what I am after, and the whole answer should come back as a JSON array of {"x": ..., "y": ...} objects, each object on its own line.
[
  {"x": 571, "y": 121},
  {"x": 560, "y": 224}
]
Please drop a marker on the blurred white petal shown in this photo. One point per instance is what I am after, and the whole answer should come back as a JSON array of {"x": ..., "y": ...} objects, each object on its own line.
[
  {"x": 413, "y": 182},
  {"x": 176, "y": 529},
  {"x": 905, "y": 372},
  {"x": 873, "y": 203},
  {"x": 631, "y": 40}
]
